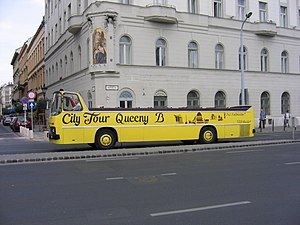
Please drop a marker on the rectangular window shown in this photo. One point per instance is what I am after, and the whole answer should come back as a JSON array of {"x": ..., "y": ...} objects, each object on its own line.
[
  {"x": 283, "y": 16},
  {"x": 217, "y": 8},
  {"x": 263, "y": 12},
  {"x": 192, "y": 6},
  {"x": 69, "y": 11},
  {"x": 125, "y": 2},
  {"x": 160, "y": 2},
  {"x": 241, "y": 9}
]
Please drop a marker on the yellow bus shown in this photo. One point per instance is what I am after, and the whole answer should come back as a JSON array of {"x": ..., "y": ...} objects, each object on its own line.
[{"x": 71, "y": 122}]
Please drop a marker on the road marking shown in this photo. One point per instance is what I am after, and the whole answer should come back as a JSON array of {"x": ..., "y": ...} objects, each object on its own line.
[
  {"x": 168, "y": 174},
  {"x": 199, "y": 209},
  {"x": 292, "y": 163},
  {"x": 245, "y": 151},
  {"x": 111, "y": 159},
  {"x": 114, "y": 178}
]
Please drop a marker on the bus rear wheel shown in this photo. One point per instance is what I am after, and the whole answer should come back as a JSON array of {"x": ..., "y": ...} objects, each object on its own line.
[
  {"x": 208, "y": 135},
  {"x": 105, "y": 139}
]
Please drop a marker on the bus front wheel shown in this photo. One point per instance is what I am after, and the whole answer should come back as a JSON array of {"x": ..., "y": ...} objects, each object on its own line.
[
  {"x": 105, "y": 139},
  {"x": 208, "y": 135}
]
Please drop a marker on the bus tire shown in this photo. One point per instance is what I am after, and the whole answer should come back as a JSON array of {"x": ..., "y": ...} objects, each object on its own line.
[
  {"x": 105, "y": 139},
  {"x": 208, "y": 135}
]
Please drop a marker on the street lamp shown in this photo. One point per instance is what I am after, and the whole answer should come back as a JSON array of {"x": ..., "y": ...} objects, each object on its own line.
[
  {"x": 44, "y": 90},
  {"x": 248, "y": 15}
]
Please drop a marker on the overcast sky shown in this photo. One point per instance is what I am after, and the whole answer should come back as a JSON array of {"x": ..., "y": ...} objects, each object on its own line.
[{"x": 19, "y": 20}]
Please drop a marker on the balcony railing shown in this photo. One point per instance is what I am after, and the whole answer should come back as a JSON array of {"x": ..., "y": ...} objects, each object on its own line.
[
  {"x": 267, "y": 28},
  {"x": 161, "y": 13},
  {"x": 75, "y": 23}
]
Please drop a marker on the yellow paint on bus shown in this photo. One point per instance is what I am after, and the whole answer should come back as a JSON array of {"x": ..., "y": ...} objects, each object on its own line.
[{"x": 103, "y": 127}]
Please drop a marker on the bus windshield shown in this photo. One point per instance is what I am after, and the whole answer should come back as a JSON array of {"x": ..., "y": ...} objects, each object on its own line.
[{"x": 56, "y": 106}]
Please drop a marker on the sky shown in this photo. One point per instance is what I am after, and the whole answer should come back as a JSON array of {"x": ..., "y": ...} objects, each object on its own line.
[{"x": 19, "y": 20}]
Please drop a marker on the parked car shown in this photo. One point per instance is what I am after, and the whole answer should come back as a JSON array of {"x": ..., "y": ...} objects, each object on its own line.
[
  {"x": 6, "y": 121},
  {"x": 19, "y": 121}
]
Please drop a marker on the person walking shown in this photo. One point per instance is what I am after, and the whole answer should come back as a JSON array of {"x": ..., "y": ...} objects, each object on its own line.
[
  {"x": 287, "y": 117},
  {"x": 262, "y": 119}
]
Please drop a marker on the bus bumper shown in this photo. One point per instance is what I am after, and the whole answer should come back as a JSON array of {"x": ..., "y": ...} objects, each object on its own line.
[{"x": 52, "y": 134}]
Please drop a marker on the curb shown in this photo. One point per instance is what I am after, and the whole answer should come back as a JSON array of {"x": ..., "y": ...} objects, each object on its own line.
[{"x": 118, "y": 153}]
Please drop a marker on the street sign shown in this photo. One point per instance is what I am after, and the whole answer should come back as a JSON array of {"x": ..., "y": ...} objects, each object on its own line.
[
  {"x": 24, "y": 100},
  {"x": 31, "y": 105},
  {"x": 31, "y": 94},
  {"x": 25, "y": 106}
]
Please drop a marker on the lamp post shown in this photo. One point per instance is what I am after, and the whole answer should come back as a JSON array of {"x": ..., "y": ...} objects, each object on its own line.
[
  {"x": 248, "y": 15},
  {"x": 44, "y": 90}
]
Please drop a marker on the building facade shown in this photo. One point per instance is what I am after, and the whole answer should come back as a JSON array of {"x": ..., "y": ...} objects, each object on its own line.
[
  {"x": 175, "y": 53},
  {"x": 5, "y": 97},
  {"x": 36, "y": 63}
]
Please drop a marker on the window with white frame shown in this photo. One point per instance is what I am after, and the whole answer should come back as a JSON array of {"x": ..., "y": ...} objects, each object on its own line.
[
  {"x": 283, "y": 16},
  {"x": 160, "y": 52},
  {"x": 192, "y": 6},
  {"x": 217, "y": 8},
  {"x": 265, "y": 102},
  {"x": 220, "y": 99},
  {"x": 71, "y": 63},
  {"x": 241, "y": 9},
  {"x": 79, "y": 57},
  {"x": 160, "y": 2},
  {"x": 193, "y": 99},
  {"x": 125, "y": 50},
  {"x": 126, "y": 99},
  {"x": 299, "y": 17},
  {"x": 285, "y": 102},
  {"x": 284, "y": 62},
  {"x": 160, "y": 99},
  {"x": 264, "y": 60},
  {"x": 245, "y": 56},
  {"x": 193, "y": 54},
  {"x": 263, "y": 16},
  {"x": 127, "y": 2},
  {"x": 219, "y": 56}
]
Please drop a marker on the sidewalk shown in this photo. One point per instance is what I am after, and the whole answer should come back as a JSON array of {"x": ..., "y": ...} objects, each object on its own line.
[{"x": 270, "y": 129}]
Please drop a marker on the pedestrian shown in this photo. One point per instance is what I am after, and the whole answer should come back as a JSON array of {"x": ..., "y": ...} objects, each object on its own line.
[
  {"x": 262, "y": 119},
  {"x": 287, "y": 117}
]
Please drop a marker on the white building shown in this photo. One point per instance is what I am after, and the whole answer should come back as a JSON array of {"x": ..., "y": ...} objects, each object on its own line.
[{"x": 175, "y": 53}]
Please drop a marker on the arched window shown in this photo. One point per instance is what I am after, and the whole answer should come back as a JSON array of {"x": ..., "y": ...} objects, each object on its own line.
[
  {"x": 88, "y": 51},
  {"x": 284, "y": 62},
  {"x": 246, "y": 94},
  {"x": 56, "y": 71},
  {"x": 192, "y": 6},
  {"x": 160, "y": 52},
  {"x": 265, "y": 102},
  {"x": 220, "y": 99},
  {"x": 160, "y": 99},
  {"x": 90, "y": 99},
  {"x": 264, "y": 60},
  {"x": 285, "y": 102},
  {"x": 61, "y": 68},
  {"x": 126, "y": 99},
  {"x": 66, "y": 65},
  {"x": 125, "y": 50},
  {"x": 71, "y": 63},
  {"x": 79, "y": 57},
  {"x": 193, "y": 54},
  {"x": 219, "y": 56},
  {"x": 245, "y": 53},
  {"x": 193, "y": 99}
]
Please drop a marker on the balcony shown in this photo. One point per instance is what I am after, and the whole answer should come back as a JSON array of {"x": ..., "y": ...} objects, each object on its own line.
[
  {"x": 161, "y": 13},
  {"x": 267, "y": 28},
  {"x": 75, "y": 24}
]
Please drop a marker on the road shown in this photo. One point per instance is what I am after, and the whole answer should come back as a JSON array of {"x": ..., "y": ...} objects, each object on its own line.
[{"x": 257, "y": 185}]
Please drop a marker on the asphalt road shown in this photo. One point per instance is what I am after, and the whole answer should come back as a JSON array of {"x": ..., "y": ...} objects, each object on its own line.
[{"x": 257, "y": 185}]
